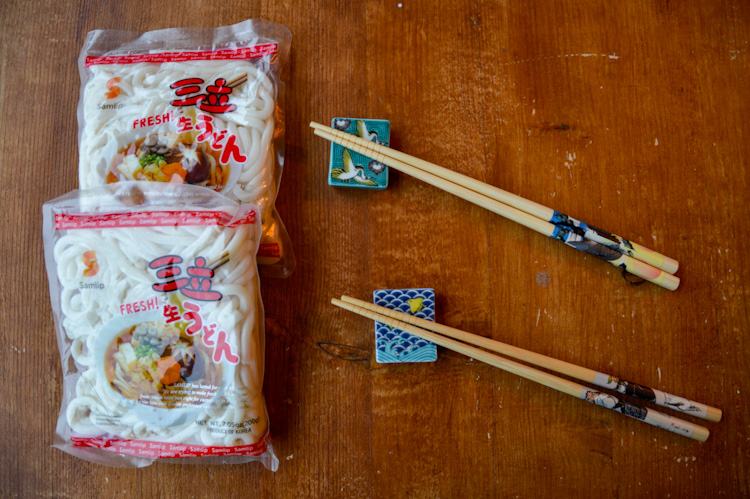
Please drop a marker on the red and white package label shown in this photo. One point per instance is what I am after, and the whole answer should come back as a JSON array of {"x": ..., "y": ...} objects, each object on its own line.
[
  {"x": 143, "y": 448},
  {"x": 205, "y": 55},
  {"x": 64, "y": 221}
]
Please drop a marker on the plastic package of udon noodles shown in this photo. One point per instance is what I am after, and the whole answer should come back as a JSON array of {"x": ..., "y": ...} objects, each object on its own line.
[
  {"x": 155, "y": 294},
  {"x": 190, "y": 105}
]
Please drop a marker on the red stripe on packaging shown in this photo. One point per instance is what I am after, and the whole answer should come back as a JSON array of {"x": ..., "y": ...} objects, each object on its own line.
[
  {"x": 206, "y": 55},
  {"x": 64, "y": 221},
  {"x": 143, "y": 448}
]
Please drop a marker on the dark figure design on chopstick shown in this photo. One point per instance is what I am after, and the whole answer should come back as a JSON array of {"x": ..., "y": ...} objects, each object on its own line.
[
  {"x": 603, "y": 237},
  {"x": 652, "y": 395},
  {"x": 351, "y": 171},
  {"x": 617, "y": 241},
  {"x": 611, "y": 402},
  {"x": 595, "y": 249},
  {"x": 634, "y": 389},
  {"x": 680, "y": 404}
]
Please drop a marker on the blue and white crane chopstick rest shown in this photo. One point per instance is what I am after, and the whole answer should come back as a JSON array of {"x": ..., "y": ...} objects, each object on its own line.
[{"x": 347, "y": 168}]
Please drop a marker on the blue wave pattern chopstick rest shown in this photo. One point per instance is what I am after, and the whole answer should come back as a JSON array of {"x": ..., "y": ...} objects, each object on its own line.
[
  {"x": 394, "y": 345},
  {"x": 347, "y": 168}
]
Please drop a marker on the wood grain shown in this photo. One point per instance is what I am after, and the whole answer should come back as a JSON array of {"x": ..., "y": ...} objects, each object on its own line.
[{"x": 630, "y": 116}]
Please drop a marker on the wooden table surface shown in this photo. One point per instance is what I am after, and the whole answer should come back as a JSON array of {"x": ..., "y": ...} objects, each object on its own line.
[{"x": 628, "y": 115}]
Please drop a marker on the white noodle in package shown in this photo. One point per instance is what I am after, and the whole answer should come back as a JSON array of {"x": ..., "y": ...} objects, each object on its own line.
[
  {"x": 156, "y": 299},
  {"x": 195, "y": 106}
]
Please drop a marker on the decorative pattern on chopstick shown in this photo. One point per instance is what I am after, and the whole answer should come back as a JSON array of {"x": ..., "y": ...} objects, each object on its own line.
[
  {"x": 652, "y": 417},
  {"x": 604, "y": 380},
  {"x": 658, "y": 397},
  {"x": 568, "y": 236},
  {"x": 601, "y": 236},
  {"x": 615, "y": 242}
]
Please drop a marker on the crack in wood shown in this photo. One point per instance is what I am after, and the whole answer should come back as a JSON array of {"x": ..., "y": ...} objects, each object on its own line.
[{"x": 345, "y": 352}]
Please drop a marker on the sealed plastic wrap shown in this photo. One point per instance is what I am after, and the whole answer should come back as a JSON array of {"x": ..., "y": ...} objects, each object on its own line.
[
  {"x": 196, "y": 106},
  {"x": 155, "y": 293}
]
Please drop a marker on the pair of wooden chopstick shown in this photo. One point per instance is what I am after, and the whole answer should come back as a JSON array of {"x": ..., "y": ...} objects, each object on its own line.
[
  {"x": 221, "y": 260},
  {"x": 429, "y": 331},
  {"x": 630, "y": 257},
  {"x": 237, "y": 81}
]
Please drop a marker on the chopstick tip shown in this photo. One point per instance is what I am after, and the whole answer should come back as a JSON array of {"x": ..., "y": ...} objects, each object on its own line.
[
  {"x": 714, "y": 414},
  {"x": 700, "y": 433}
]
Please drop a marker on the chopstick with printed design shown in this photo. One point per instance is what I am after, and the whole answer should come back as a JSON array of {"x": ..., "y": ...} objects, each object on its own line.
[
  {"x": 601, "y": 236},
  {"x": 563, "y": 233},
  {"x": 587, "y": 231},
  {"x": 603, "y": 380},
  {"x": 650, "y": 416}
]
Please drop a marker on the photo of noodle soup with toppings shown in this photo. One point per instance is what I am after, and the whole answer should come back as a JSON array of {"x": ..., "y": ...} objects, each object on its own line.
[
  {"x": 159, "y": 365},
  {"x": 170, "y": 157}
]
